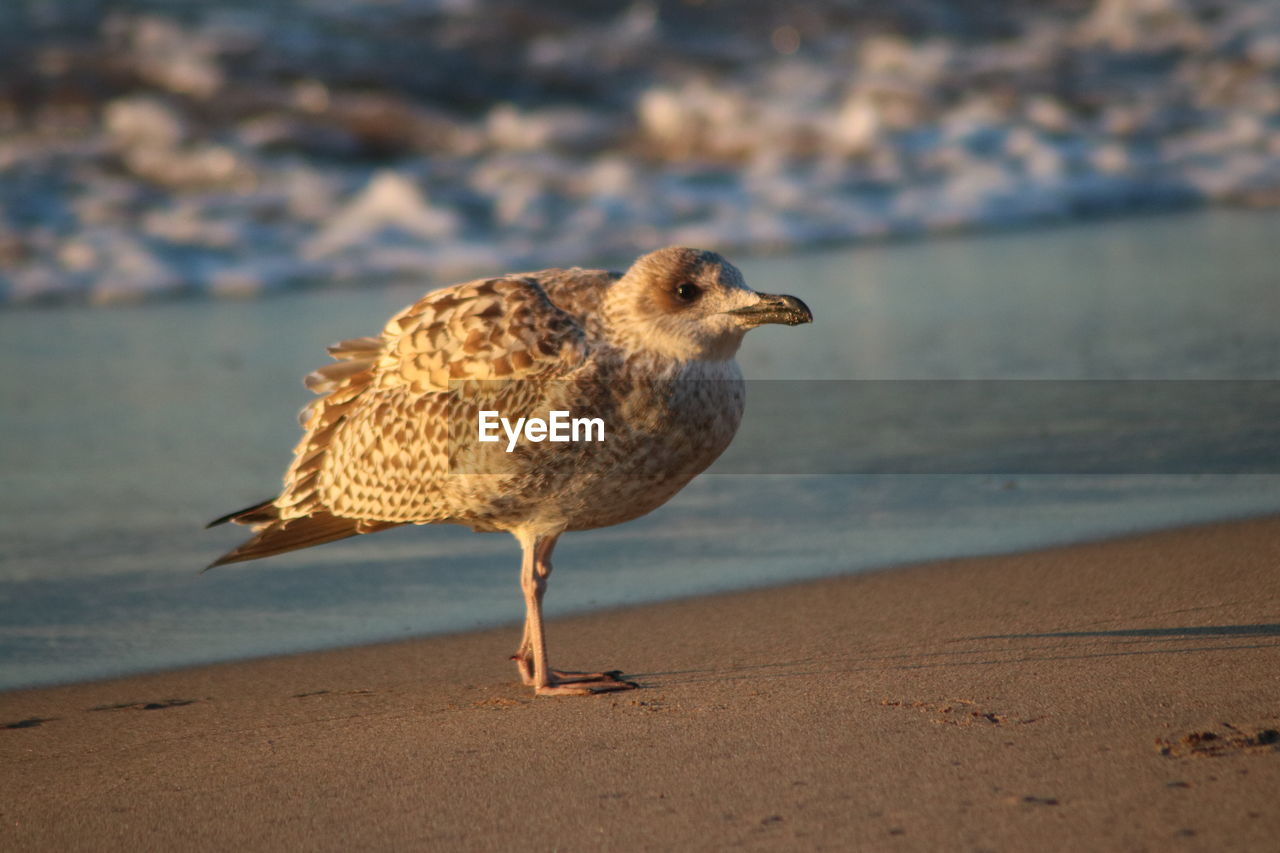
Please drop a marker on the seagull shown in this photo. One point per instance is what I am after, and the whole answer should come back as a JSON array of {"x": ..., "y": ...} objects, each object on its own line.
[{"x": 394, "y": 439}]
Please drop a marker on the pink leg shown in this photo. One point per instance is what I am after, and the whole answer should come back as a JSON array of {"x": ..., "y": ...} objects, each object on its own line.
[{"x": 531, "y": 659}]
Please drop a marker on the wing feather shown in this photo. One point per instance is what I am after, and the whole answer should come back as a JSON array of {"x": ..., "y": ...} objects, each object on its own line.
[{"x": 376, "y": 444}]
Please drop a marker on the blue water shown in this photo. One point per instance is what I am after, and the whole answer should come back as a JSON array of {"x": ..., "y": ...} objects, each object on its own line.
[{"x": 122, "y": 431}]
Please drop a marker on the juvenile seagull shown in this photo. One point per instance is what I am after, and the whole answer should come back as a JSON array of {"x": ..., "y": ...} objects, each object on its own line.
[{"x": 649, "y": 351}]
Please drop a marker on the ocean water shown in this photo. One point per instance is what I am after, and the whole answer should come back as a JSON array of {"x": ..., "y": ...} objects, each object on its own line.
[{"x": 122, "y": 431}]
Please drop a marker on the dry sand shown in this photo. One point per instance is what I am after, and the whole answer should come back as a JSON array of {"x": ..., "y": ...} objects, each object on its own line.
[{"x": 1053, "y": 700}]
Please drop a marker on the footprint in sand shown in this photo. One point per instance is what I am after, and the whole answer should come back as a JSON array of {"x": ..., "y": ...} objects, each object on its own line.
[{"x": 1211, "y": 744}]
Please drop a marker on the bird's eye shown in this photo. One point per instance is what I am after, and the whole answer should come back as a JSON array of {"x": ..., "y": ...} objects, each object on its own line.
[{"x": 688, "y": 291}]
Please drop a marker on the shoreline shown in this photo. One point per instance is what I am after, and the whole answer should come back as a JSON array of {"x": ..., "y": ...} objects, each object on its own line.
[
  {"x": 1061, "y": 698},
  {"x": 432, "y": 274},
  {"x": 563, "y": 581}
]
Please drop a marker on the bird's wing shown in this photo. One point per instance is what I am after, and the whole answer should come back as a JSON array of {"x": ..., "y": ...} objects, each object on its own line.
[
  {"x": 377, "y": 443},
  {"x": 580, "y": 293}
]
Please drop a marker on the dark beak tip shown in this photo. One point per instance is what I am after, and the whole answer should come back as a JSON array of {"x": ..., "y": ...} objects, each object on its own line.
[
  {"x": 773, "y": 308},
  {"x": 799, "y": 312}
]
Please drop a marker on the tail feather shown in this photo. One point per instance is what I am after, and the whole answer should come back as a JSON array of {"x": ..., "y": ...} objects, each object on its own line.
[
  {"x": 368, "y": 347},
  {"x": 292, "y": 534},
  {"x": 256, "y": 514}
]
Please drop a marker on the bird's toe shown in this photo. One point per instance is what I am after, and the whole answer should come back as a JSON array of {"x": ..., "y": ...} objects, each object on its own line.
[{"x": 585, "y": 688}]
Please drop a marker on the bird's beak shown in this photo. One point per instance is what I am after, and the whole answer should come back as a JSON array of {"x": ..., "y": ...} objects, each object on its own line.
[{"x": 772, "y": 308}]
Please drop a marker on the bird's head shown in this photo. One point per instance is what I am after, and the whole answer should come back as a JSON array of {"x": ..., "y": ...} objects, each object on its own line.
[{"x": 692, "y": 304}]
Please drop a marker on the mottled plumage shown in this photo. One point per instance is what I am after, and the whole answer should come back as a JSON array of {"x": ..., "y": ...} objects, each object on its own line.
[{"x": 391, "y": 440}]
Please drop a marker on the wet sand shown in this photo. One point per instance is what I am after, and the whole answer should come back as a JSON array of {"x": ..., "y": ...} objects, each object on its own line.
[{"x": 1114, "y": 696}]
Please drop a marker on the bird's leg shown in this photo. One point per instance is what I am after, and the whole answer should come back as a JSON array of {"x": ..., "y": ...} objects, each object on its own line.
[
  {"x": 524, "y": 655},
  {"x": 531, "y": 659}
]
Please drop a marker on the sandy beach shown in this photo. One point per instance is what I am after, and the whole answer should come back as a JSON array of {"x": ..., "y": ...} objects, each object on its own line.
[
  {"x": 1112, "y": 696},
  {"x": 197, "y": 198}
]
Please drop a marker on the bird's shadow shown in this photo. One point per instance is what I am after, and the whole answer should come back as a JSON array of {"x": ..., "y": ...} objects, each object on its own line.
[
  {"x": 977, "y": 654},
  {"x": 1262, "y": 630}
]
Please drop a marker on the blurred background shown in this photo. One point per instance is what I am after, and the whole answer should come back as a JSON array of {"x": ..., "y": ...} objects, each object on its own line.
[
  {"x": 154, "y": 147},
  {"x": 197, "y": 197}
]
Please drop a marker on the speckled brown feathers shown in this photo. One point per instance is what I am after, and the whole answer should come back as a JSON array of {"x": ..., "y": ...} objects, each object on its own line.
[
  {"x": 391, "y": 438},
  {"x": 375, "y": 452}
]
